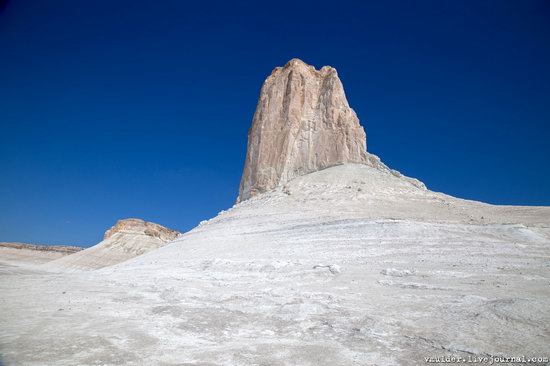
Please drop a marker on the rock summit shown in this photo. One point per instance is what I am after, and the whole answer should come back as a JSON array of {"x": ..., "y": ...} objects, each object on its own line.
[{"x": 303, "y": 123}]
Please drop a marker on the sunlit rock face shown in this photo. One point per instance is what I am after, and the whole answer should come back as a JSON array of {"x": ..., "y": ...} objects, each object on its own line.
[
  {"x": 138, "y": 226},
  {"x": 303, "y": 123}
]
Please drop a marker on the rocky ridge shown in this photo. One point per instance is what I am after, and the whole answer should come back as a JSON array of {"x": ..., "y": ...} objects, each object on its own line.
[
  {"x": 141, "y": 226},
  {"x": 42, "y": 248},
  {"x": 33, "y": 254}
]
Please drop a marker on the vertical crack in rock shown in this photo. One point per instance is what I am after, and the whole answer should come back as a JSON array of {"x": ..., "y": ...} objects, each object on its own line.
[{"x": 303, "y": 123}]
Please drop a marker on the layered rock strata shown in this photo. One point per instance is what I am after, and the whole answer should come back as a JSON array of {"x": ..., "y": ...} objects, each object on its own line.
[{"x": 127, "y": 239}]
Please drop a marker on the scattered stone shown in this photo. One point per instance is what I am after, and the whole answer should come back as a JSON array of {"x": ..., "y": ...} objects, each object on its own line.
[
  {"x": 397, "y": 272},
  {"x": 333, "y": 268}
]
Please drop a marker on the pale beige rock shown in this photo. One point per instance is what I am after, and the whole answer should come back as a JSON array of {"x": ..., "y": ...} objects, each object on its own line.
[
  {"x": 141, "y": 226},
  {"x": 302, "y": 124},
  {"x": 127, "y": 239}
]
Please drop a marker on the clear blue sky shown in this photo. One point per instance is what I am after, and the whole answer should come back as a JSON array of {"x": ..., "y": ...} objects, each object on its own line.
[{"x": 114, "y": 109}]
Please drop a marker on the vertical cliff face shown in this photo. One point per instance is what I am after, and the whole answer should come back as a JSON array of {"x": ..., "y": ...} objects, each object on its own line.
[{"x": 302, "y": 124}]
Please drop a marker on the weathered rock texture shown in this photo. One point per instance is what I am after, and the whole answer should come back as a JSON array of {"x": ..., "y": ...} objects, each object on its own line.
[
  {"x": 302, "y": 124},
  {"x": 125, "y": 240},
  {"x": 139, "y": 226}
]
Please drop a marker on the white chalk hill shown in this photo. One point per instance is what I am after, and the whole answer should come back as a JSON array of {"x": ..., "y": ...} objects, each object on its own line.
[
  {"x": 348, "y": 265},
  {"x": 125, "y": 240}
]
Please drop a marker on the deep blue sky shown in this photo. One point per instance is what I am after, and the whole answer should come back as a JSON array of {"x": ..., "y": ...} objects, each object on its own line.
[{"x": 114, "y": 109}]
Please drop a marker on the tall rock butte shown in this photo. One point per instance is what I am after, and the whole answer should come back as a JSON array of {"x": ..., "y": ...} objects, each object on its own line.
[{"x": 303, "y": 123}]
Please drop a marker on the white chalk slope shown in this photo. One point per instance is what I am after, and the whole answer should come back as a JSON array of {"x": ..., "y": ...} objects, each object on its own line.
[{"x": 348, "y": 265}]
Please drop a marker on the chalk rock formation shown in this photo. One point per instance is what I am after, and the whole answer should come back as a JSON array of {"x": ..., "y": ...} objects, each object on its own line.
[
  {"x": 139, "y": 226},
  {"x": 125, "y": 240},
  {"x": 302, "y": 124},
  {"x": 23, "y": 253}
]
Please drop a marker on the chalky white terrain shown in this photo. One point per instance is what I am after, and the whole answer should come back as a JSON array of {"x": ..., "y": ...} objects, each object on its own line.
[{"x": 352, "y": 264}]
